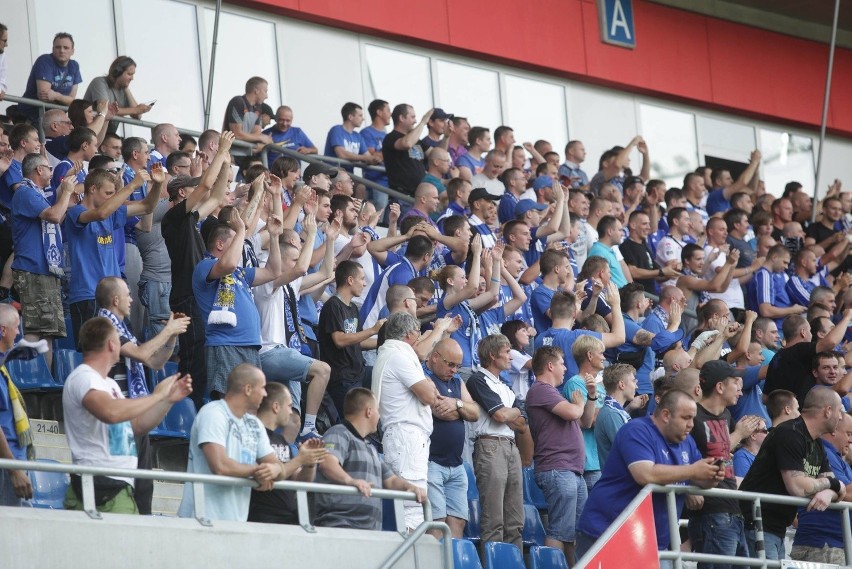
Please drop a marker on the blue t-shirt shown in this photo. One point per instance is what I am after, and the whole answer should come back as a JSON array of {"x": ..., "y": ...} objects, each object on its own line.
[
  {"x": 506, "y": 208},
  {"x": 638, "y": 441},
  {"x": 578, "y": 383},
  {"x": 751, "y": 401},
  {"x": 661, "y": 342},
  {"x": 469, "y": 333},
  {"x": 601, "y": 250},
  {"x": 799, "y": 290},
  {"x": 524, "y": 313},
  {"x": 447, "y": 439},
  {"x": 138, "y": 194},
  {"x": 27, "y": 206},
  {"x": 293, "y": 138},
  {"x": 247, "y": 330},
  {"x": 398, "y": 274},
  {"x": 468, "y": 161},
  {"x": 743, "y": 460},
  {"x": 716, "y": 202},
  {"x": 10, "y": 178},
  {"x": 564, "y": 339},
  {"x": 373, "y": 138},
  {"x": 817, "y": 529},
  {"x": 350, "y": 141},
  {"x": 539, "y": 305},
  {"x": 602, "y": 309},
  {"x": 492, "y": 319},
  {"x": 61, "y": 79},
  {"x": 59, "y": 172},
  {"x": 94, "y": 252},
  {"x": 768, "y": 287}
]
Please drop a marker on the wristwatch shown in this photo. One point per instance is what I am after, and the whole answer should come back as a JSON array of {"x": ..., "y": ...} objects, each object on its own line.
[
  {"x": 459, "y": 404},
  {"x": 99, "y": 114}
]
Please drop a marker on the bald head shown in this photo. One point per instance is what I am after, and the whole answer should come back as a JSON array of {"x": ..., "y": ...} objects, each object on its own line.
[
  {"x": 425, "y": 190},
  {"x": 445, "y": 346},
  {"x": 818, "y": 398},
  {"x": 243, "y": 375},
  {"x": 676, "y": 360},
  {"x": 687, "y": 380}
]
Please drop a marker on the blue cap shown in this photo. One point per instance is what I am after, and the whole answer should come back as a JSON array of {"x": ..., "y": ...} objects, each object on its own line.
[
  {"x": 523, "y": 206},
  {"x": 542, "y": 182}
]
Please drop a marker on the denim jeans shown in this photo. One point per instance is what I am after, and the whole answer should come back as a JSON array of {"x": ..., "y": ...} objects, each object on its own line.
[
  {"x": 154, "y": 296},
  {"x": 721, "y": 534},
  {"x": 565, "y": 493},
  {"x": 773, "y": 544}
]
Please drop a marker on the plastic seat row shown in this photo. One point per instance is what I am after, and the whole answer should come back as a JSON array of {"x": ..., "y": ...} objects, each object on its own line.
[{"x": 505, "y": 556}]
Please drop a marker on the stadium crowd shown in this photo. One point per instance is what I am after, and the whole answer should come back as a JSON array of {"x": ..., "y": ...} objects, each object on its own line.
[{"x": 497, "y": 322}]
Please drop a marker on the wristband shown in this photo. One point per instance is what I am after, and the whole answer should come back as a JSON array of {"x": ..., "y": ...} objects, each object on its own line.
[
  {"x": 595, "y": 398},
  {"x": 834, "y": 485},
  {"x": 495, "y": 280}
]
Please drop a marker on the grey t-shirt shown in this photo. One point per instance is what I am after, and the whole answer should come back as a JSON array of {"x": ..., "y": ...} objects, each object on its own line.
[
  {"x": 156, "y": 264},
  {"x": 99, "y": 89},
  {"x": 360, "y": 460}
]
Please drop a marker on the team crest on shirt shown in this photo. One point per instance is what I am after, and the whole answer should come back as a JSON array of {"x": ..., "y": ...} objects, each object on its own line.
[
  {"x": 684, "y": 457},
  {"x": 547, "y": 341}
]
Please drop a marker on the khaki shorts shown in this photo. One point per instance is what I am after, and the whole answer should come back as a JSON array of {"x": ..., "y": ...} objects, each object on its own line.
[{"x": 41, "y": 304}]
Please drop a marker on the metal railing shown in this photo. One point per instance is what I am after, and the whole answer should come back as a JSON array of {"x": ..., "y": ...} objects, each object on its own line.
[
  {"x": 248, "y": 147},
  {"x": 301, "y": 489},
  {"x": 677, "y": 556}
]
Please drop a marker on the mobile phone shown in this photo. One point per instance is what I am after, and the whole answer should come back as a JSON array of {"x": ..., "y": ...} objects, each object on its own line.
[
  {"x": 719, "y": 462},
  {"x": 151, "y": 103}
]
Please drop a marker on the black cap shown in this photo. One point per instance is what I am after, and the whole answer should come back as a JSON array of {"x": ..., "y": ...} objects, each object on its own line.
[
  {"x": 716, "y": 371},
  {"x": 179, "y": 182},
  {"x": 481, "y": 194},
  {"x": 316, "y": 168}
]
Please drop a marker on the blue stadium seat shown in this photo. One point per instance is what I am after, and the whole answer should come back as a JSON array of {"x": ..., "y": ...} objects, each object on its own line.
[
  {"x": 388, "y": 518},
  {"x": 465, "y": 555},
  {"x": 472, "y": 489},
  {"x": 533, "y": 527},
  {"x": 547, "y": 558},
  {"x": 64, "y": 362},
  {"x": 532, "y": 493},
  {"x": 32, "y": 375},
  {"x": 155, "y": 376},
  {"x": 49, "y": 488},
  {"x": 177, "y": 424},
  {"x": 68, "y": 342},
  {"x": 503, "y": 556},
  {"x": 473, "y": 529}
]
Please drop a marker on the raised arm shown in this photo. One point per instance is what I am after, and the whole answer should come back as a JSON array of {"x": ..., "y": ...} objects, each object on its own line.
[
  {"x": 410, "y": 139},
  {"x": 233, "y": 255},
  {"x": 458, "y": 296},
  {"x": 741, "y": 184},
  {"x": 552, "y": 229},
  {"x": 615, "y": 337},
  {"x": 147, "y": 205},
  {"x": 493, "y": 290},
  {"x": 109, "y": 207},
  {"x": 155, "y": 352},
  {"x": 272, "y": 269},
  {"x": 202, "y": 199}
]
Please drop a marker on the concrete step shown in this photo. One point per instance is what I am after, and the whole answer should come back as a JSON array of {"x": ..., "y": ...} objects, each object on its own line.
[
  {"x": 167, "y": 497},
  {"x": 45, "y": 426},
  {"x": 62, "y": 455}
]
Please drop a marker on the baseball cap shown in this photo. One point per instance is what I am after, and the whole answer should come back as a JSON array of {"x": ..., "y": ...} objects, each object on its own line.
[
  {"x": 716, "y": 371},
  {"x": 481, "y": 194},
  {"x": 524, "y": 206},
  {"x": 542, "y": 182},
  {"x": 315, "y": 169},
  {"x": 633, "y": 180},
  {"x": 179, "y": 182},
  {"x": 439, "y": 113}
]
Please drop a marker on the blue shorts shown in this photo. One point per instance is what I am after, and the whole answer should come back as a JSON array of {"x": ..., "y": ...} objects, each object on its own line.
[
  {"x": 448, "y": 491},
  {"x": 565, "y": 493},
  {"x": 283, "y": 364}
]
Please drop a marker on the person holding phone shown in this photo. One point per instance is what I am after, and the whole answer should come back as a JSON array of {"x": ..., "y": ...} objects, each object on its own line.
[{"x": 115, "y": 88}]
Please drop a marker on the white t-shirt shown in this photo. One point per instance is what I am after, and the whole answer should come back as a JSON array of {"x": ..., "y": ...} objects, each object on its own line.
[
  {"x": 669, "y": 249},
  {"x": 93, "y": 442},
  {"x": 245, "y": 441},
  {"x": 397, "y": 369},
  {"x": 273, "y": 317},
  {"x": 495, "y": 187},
  {"x": 366, "y": 262},
  {"x": 520, "y": 377},
  {"x": 733, "y": 295}
]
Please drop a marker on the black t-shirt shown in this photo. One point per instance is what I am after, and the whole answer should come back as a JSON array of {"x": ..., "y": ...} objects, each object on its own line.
[
  {"x": 405, "y": 168},
  {"x": 712, "y": 434},
  {"x": 185, "y": 247},
  {"x": 276, "y": 506},
  {"x": 819, "y": 232},
  {"x": 747, "y": 254},
  {"x": 788, "y": 446},
  {"x": 790, "y": 369},
  {"x": 347, "y": 364},
  {"x": 638, "y": 255}
]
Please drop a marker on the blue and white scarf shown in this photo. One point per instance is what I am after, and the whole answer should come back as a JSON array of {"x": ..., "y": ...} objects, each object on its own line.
[
  {"x": 661, "y": 314},
  {"x": 616, "y": 406},
  {"x": 703, "y": 295},
  {"x": 226, "y": 294},
  {"x": 51, "y": 238},
  {"x": 136, "y": 385}
]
